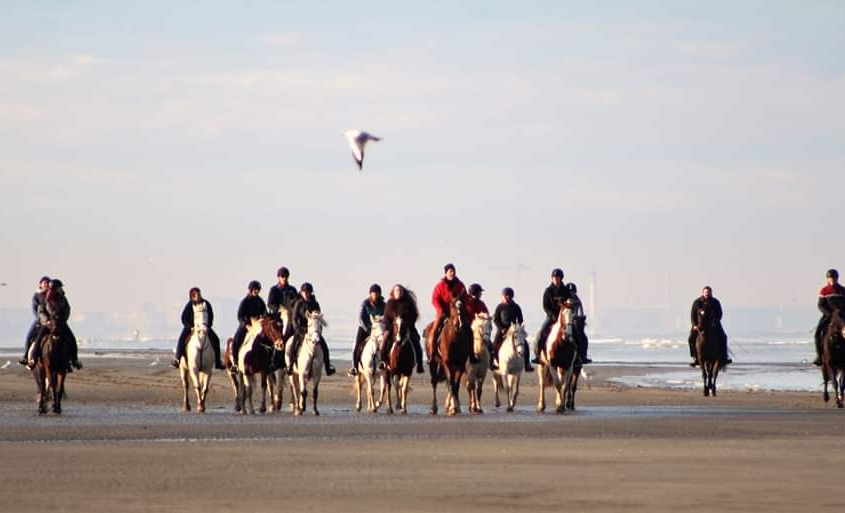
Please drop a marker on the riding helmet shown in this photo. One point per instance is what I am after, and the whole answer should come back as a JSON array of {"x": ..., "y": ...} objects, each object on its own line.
[
  {"x": 572, "y": 287},
  {"x": 448, "y": 267},
  {"x": 254, "y": 285},
  {"x": 833, "y": 273},
  {"x": 375, "y": 287},
  {"x": 507, "y": 291},
  {"x": 306, "y": 287},
  {"x": 475, "y": 289},
  {"x": 557, "y": 273},
  {"x": 43, "y": 279},
  {"x": 283, "y": 272}
]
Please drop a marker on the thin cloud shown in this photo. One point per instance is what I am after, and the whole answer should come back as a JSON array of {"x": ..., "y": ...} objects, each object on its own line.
[{"x": 283, "y": 39}]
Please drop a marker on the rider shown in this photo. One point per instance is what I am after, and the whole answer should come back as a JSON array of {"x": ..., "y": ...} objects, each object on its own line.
[
  {"x": 306, "y": 303},
  {"x": 831, "y": 296},
  {"x": 580, "y": 320},
  {"x": 58, "y": 311},
  {"x": 39, "y": 311},
  {"x": 553, "y": 296},
  {"x": 475, "y": 306},
  {"x": 402, "y": 304},
  {"x": 197, "y": 307},
  {"x": 282, "y": 293},
  {"x": 507, "y": 313},
  {"x": 251, "y": 307},
  {"x": 441, "y": 298},
  {"x": 710, "y": 310},
  {"x": 371, "y": 306}
]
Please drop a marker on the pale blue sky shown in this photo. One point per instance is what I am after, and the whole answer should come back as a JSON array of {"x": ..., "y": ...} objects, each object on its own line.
[{"x": 146, "y": 148}]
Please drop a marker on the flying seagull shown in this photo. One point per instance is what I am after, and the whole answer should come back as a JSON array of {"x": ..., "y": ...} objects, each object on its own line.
[{"x": 357, "y": 139}]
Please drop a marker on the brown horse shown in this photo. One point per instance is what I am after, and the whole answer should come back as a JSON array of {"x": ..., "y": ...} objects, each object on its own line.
[
  {"x": 708, "y": 349},
  {"x": 560, "y": 364},
  {"x": 833, "y": 357},
  {"x": 253, "y": 361},
  {"x": 449, "y": 362},
  {"x": 400, "y": 366},
  {"x": 52, "y": 368}
]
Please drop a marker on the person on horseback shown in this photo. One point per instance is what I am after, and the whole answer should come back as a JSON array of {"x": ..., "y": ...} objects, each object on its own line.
[
  {"x": 710, "y": 311},
  {"x": 372, "y": 305},
  {"x": 282, "y": 293},
  {"x": 553, "y": 296},
  {"x": 403, "y": 305},
  {"x": 39, "y": 311},
  {"x": 831, "y": 296},
  {"x": 58, "y": 312},
  {"x": 197, "y": 307},
  {"x": 507, "y": 312},
  {"x": 474, "y": 306},
  {"x": 305, "y": 304},
  {"x": 441, "y": 298},
  {"x": 251, "y": 307},
  {"x": 580, "y": 320}
]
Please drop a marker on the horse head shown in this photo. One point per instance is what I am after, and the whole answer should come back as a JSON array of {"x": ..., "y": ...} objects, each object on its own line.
[
  {"x": 378, "y": 328},
  {"x": 516, "y": 335},
  {"x": 273, "y": 328},
  {"x": 482, "y": 329},
  {"x": 397, "y": 329},
  {"x": 456, "y": 312},
  {"x": 315, "y": 325}
]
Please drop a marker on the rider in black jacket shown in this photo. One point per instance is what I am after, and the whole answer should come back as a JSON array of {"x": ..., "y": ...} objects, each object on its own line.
[
  {"x": 710, "y": 311},
  {"x": 553, "y": 296},
  {"x": 373, "y": 305},
  {"x": 197, "y": 305},
  {"x": 305, "y": 304},
  {"x": 39, "y": 311},
  {"x": 251, "y": 307}
]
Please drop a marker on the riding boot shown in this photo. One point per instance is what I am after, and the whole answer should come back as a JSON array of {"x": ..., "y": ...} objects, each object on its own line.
[
  {"x": 725, "y": 358},
  {"x": 415, "y": 341},
  {"x": 539, "y": 347},
  {"x": 329, "y": 367},
  {"x": 215, "y": 344},
  {"x": 818, "y": 340},
  {"x": 691, "y": 341},
  {"x": 527, "y": 357}
]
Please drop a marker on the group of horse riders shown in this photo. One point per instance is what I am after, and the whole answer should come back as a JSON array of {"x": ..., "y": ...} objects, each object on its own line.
[{"x": 51, "y": 310}]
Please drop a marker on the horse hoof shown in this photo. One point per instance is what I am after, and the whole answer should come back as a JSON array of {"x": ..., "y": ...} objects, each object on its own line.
[
  {"x": 826, "y": 397},
  {"x": 432, "y": 411},
  {"x": 186, "y": 408},
  {"x": 316, "y": 413},
  {"x": 559, "y": 409},
  {"x": 42, "y": 411},
  {"x": 262, "y": 410},
  {"x": 390, "y": 412},
  {"x": 201, "y": 409},
  {"x": 509, "y": 409},
  {"x": 297, "y": 413},
  {"x": 403, "y": 411}
]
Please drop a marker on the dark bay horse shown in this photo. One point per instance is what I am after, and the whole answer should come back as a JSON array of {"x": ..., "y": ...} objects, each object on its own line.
[
  {"x": 833, "y": 357},
  {"x": 52, "y": 368},
  {"x": 449, "y": 364},
  {"x": 708, "y": 348},
  {"x": 400, "y": 366}
]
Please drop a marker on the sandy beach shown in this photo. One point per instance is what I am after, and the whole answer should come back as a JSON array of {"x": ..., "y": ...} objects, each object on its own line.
[{"x": 123, "y": 444}]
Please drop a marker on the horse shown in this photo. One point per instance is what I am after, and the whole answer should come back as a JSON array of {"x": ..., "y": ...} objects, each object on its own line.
[
  {"x": 708, "y": 349},
  {"x": 481, "y": 327},
  {"x": 368, "y": 372},
  {"x": 511, "y": 365},
  {"x": 450, "y": 358},
  {"x": 309, "y": 365},
  {"x": 833, "y": 357},
  {"x": 195, "y": 367},
  {"x": 400, "y": 367},
  {"x": 560, "y": 365},
  {"x": 253, "y": 360},
  {"x": 51, "y": 369}
]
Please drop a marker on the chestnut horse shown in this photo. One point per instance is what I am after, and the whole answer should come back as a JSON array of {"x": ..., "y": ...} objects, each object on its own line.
[
  {"x": 51, "y": 369},
  {"x": 482, "y": 327},
  {"x": 708, "y": 349},
  {"x": 449, "y": 362},
  {"x": 560, "y": 365},
  {"x": 368, "y": 372},
  {"x": 833, "y": 357},
  {"x": 195, "y": 367},
  {"x": 400, "y": 366}
]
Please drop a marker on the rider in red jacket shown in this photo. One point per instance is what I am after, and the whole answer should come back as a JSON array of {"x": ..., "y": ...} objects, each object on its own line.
[
  {"x": 831, "y": 297},
  {"x": 441, "y": 298}
]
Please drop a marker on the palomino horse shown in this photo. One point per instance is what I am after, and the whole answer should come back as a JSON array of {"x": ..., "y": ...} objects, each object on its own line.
[
  {"x": 196, "y": 366},
  {"x": 560, "y": 365},
  {"x": 400, "y": 367},
  {"x": 833, "y": 357},
  {"x": 482, "y": 327},
  {"x": 449, "y": 362},
  {"x": 708, "y": 349},
  {"x": 511, "y": 365},
  {"x": 368, "y": 372},
  {"x": 52, "y": 368},
  {"x": 309, "y": 365}
]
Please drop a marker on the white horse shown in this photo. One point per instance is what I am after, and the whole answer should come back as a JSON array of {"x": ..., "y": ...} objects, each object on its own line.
[
  {"x": 511, "y": 365},
  {"x": 558, "y": 373},
  {"x": 309, "y": 364},
  {"x": 368, "y": 372},
  {"x": 196, "y": 366},
  {"x": 482, "y": 327}
]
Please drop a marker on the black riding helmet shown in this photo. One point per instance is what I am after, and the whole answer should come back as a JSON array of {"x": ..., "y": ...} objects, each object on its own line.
[
  {"x": 557, "y": 273},
  {"x": 832, "y": 273},
  {"x": 572, "y": 287},
  {"x": 283, "y": 272},
  {"x": 475, "y": 289},
  {"x": 507, "y": 291},
  {"x": 306, "y": 287},
  {"x": 254, "y": 285},
  {"x": 375, "y": 287}
]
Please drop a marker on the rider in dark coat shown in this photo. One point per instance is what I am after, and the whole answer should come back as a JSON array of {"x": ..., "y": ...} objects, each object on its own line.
[
  {"x": 39, "y": 311},
  {"x": 403, "y": 305},
  {"x": 58, "y": 311},
  {"x": 282, "y": 293},
  {"x": 251, "y": 307},
  {"x": 196, "y": 301},
  {"x": 707, "y": 310},
  {"x": 507, "y": 313},
  {"x": 831, "y": 296},
  {"x": 475, "y": 306},
  {"x": 305, "y": 304},
  {"x": 553, "y": 296},
  {"x": 373, "y": 305}
]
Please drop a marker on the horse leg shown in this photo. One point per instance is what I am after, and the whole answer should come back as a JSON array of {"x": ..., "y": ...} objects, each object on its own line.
[
  {"x": 704, "y": 378},
  {"x": 387, "y": 388},
  {"x": 60, "y": 392},
  {"x": 515, "y": 387},
  {"x": 40, "y": 379},
  {"x": 357, "y": 384},
  {"x": 455, "y": 388},
  {"x": 315, "y": 394},
  {"x": 54, "y": 388},
  {"x": 541, "y": 378},
  {"x": 497, "y": 382},
  {"x": 434, "y": 371}
]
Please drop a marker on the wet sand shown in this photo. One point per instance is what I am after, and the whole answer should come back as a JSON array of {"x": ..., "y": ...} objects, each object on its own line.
[{"x": 123, "y": 444}]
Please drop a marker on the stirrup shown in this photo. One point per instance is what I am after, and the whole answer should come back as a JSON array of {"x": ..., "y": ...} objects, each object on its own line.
[
  {"x": 175, "y": 364},
  {"x": 30, "y": 364},
  {"x": 352, "y": 372},
  {"x": 330, "y": 370},
  {"x": 536, "y": 360}
]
